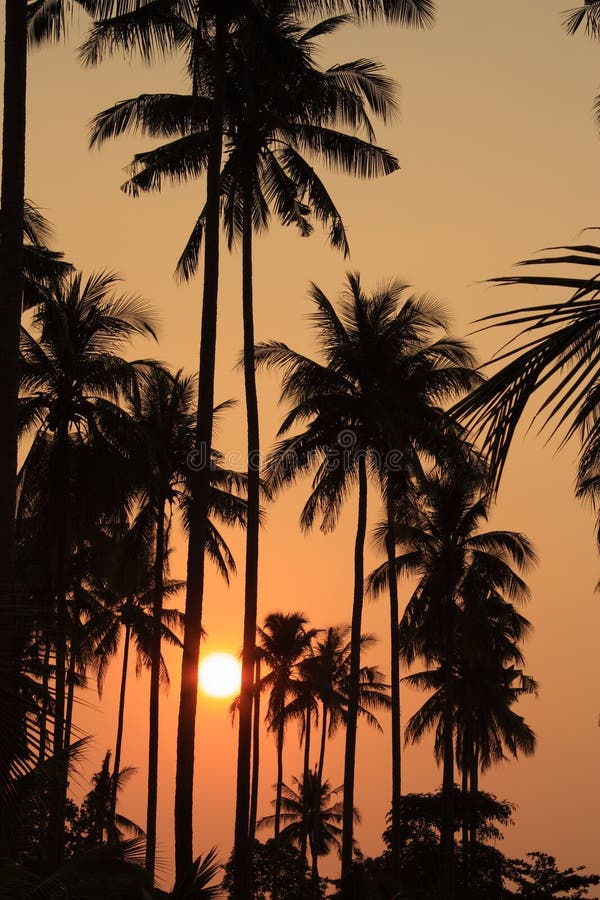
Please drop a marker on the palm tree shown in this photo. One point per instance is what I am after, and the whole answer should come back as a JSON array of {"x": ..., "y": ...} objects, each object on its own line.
[
  {"x": 72, "y": 385},
  {"x": 328, "y": 672},
  {"x": 441, "y": 543},
  {"x": 382, "y": 364},
  {"x": 324, "y": 818},
  {"x": 411, "y": 12},
  {"x": 327, "y": 675},
  {"x": 96, "y": 823},
  {"x": 164, "y": 415},
  {"x": 283, "y": 641},
  {"x": 124, "y": 587},
  {"x": 268, "y": 133},
  {"x": 36, "y": 21}
]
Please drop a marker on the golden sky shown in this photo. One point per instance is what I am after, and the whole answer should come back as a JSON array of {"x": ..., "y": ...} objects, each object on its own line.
[{"x": 499, "y": 157}]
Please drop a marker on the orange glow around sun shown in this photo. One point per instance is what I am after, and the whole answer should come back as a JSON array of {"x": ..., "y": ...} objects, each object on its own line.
[{"x": 220, "y": 675}]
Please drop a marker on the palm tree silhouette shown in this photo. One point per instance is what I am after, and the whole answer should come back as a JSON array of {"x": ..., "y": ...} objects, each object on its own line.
[
  {"x": 164, "y": 416},
  {"x": 283, "y": 642},
  {"x": 271, "y": 136},
  {"x": 165, "y": 31},
  {"x": 124, "y": 584},
  {"x": 97, "y": 823},
  {"x": 371, "y": 346},
  {"x": 72, "y": 385},
  {"x": 312, "y": 802},
  {"x": 34, "y": 22},
  {"x": 442, "y": 544},
  {"x": 153, "y": 29}
]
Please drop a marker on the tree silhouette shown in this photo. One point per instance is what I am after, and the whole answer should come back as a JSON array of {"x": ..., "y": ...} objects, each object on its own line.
[
  {"x": 442, "y": 544},
  {"x": 347, "y": 402}
]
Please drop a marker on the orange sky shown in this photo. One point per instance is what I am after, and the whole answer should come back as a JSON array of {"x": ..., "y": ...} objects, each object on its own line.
[{"x": 499, "y": 157}]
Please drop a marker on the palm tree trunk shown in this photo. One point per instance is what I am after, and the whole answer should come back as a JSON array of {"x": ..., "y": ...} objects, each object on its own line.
[
  {"x": 353, "y": 688},
  {"x": 447, "y": 834},
  {"x": 12, "y": 628},
  {"x": 465, "y": 816},
  {"x": 11, "y": 280},
  {"x": 120, "y": 723},
  {"x": 255, "y": 755},
  {"x": 305, "y": 783},
  {"x": 153, "y": 734},
  {"x": 242, "y": 848},
  {"x": 396, "y": 833},
  {"x": 474, "y": 788},
  {"x": 314, "y": 838},
  {"x": 323, "y": 742},
  {"x": 70, "y": 694},
  {"x": 59, "y": 521},
  {"x": 279, "y": 789},
  {"x": 44, "y": 710},
  {"x": 56, "y": 825},
  {"x": 186, "y": 725}
]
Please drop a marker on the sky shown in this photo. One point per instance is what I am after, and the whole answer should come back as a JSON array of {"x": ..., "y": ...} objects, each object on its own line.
[{"x": 499, "y": 157}]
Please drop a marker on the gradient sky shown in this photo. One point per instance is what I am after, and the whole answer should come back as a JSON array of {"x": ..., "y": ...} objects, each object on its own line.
[{"x": 499, "y": 157}]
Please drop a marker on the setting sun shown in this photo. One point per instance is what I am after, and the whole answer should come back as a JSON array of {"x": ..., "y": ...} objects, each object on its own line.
[{"x": 220, "y": 675}]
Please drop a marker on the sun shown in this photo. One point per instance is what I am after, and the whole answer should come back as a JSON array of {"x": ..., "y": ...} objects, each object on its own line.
[{"x": 220, "y": 675}]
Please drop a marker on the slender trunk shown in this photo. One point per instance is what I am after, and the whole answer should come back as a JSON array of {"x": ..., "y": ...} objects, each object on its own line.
[
  {"x": 474, "y": 789},
  {"x": 465, "y": 816},
  {"x": 306, "y": 785},
  {"x": 353, "y": 688},
  {"x": 12, "y": 627},
  {"x": 323, "y": 742},
  {"x": 315, "y": 836},
  {"x": 59, "y": 501},
  {"x": 45, "y": 704},
  {"x": 11, "y": 281},
  {"x": 279, "y": 788},
  {"x": 242, "y": 847},
  {"x": 199, "y": 507},
  {"x": 447, "y": 835},
  {"x": 70, "y": 695},
  {"x": 120, "y": 723},
  {"x": 153, "y": 734},
  {"x": 56, "y": 821},
  {"x": 314, "y": 873},
  {"x": 396, "y": 832},
  {"x": 255, "y": 755}
]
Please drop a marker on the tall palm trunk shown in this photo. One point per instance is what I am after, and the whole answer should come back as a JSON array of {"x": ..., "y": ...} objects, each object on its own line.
[
  {"x": 59, "y": 523},
  {"x": 278, "y": 793},
  {"x": 242, "y": 848},
  {"x": 353, "y": 687},
  {"x": 474, "y": 788},
  {"x": 323, "y": 742},
  {"x": 255, "y": 754},
  {"x": 447, "y": 834},
  {"x": 396, "y": 833},
  {"x": 465, "y": 819},
  {"x": 11, "y": 281},
  {"x": 315, "y": 837},
  {"x": 186, "y": 725},
  {"x": 120, "y": 723},
  {"x": 12, "y": 628},
  {"x": 153, "y": 733},
  {"x": 71, "y": 677},
  {"x": 45, "y": 704},
  {"x": 305, "y": 782}
]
